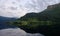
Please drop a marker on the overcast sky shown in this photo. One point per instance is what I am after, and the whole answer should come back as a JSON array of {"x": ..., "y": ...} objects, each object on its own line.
[{"x": 18, "y": 8}]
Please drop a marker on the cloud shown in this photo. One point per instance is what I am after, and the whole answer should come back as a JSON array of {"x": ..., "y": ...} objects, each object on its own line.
[
  {"x": 13, "y": 8},
  {"x": 18, "y": 8},
  {"x": 13, "y": 2}
]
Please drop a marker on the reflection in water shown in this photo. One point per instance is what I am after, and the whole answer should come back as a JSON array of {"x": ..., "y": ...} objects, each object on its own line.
[{"x": 16, "y": 32}]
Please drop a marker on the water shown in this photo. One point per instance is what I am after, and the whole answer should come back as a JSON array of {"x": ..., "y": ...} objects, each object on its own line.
[
  {"x": 10, "y": 30},
  {"x": 16, "y": 32}
]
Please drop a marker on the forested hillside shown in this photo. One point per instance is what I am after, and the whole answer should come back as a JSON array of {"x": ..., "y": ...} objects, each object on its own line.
[{"x": 46, "y": 22}]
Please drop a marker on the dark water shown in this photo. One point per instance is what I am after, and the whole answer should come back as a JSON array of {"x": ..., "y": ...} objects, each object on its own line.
[
  {"x": 5, "y": 26},
  {"x": 10, "y": 30}
]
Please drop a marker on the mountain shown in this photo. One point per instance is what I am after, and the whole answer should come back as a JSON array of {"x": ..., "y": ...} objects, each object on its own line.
[
  {"x": 4, "y": 21},
  {"x": 51, "y": 13},
  {"x": 46, "y": 22}
]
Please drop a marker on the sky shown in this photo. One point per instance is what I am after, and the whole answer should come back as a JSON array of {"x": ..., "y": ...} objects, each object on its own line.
[{"x": 18, "y": 8}]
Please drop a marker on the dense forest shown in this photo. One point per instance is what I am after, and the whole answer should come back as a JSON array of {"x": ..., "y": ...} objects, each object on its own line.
[{"x": 46, "y": 22}]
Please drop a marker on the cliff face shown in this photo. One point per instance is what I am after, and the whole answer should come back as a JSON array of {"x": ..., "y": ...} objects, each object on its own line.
[{"x": 53, "y": 6}]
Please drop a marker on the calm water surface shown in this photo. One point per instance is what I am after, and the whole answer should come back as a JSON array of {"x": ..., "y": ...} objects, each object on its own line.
[{"x": 9, "y": 30}]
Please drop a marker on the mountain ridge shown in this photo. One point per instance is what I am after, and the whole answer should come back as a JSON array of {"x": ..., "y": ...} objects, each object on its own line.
[{"x": 46, "y": 22}]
